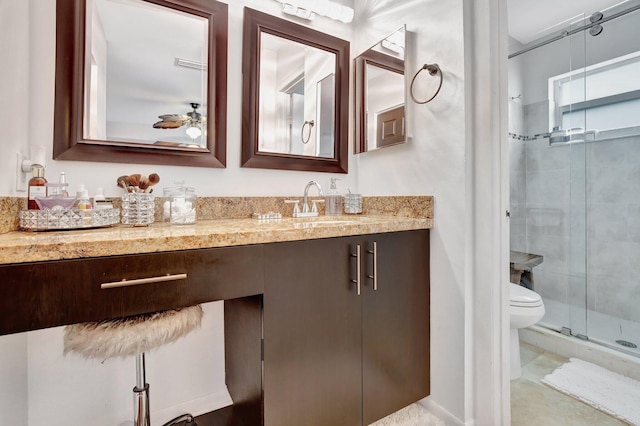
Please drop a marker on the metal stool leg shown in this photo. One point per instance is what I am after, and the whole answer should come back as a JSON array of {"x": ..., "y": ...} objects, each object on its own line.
[{"x": 141, "y": 395}]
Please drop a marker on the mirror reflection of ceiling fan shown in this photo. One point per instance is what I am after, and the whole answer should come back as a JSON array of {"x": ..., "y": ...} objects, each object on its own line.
[{"x": 192, "y": 119}]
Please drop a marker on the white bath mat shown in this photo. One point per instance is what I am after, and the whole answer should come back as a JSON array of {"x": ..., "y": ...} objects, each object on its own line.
[
  {"x": 413, "y": 415},
  {"x": 609, "y": 392}
]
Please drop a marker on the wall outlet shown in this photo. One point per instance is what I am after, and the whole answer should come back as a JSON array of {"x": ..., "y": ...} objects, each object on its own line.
[{"x": 22, "y": 178}]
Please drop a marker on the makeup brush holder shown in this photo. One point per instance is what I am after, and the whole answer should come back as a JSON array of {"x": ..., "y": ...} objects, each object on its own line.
[{"x": 138, "y": 209}]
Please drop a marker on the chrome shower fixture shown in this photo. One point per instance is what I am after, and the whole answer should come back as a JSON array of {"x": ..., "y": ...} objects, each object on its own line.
[
  {"x": 596, "y": 16},
  {"x": 595, "y": 30}
]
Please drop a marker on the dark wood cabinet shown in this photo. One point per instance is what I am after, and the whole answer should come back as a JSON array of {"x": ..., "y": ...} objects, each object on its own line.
[
  {"x": 331, "y": 355},
  {"x": 395, "y": 323},
  {"x": 308, "y": 339},
  {"x": 48, "y": 294},
  {"x": 312, "y": 338}
]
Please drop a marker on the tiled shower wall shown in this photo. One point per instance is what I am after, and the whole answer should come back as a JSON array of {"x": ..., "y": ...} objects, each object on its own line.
[{"x": 577, "y": 205}]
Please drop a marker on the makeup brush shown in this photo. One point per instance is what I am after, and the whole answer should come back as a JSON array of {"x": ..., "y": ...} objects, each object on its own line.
[
  {"x": 154, "y": 178},
  {"x": 134, "y": 179},
  {"x": 144, "y": 184},
  {"x": 123, "y": 183}
]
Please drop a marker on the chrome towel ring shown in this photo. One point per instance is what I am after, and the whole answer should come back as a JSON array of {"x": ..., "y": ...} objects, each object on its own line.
[
  {"x": 310, "y": 124},
  {"x": 433, "y": 70}
]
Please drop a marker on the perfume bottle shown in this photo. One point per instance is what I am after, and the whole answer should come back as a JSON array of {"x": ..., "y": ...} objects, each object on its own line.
[{"x": 37, "y": 187}]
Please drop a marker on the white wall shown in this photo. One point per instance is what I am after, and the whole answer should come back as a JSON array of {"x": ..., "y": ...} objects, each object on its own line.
[{"x": 434, "y": 162}]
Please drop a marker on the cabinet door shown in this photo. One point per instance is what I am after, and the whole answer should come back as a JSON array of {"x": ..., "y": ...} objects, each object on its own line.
[
  {"x": 395, "y": 325},
  {"x": 312, "y": 334}
]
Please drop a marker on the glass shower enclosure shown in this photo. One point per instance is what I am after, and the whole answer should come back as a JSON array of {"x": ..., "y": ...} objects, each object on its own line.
[{"x": 574, "y": 137}]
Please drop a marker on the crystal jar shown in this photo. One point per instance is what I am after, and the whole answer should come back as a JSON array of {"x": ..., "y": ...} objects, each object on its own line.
[
  {"x": 138, "y": 208},
  {"x": 180, "y": 208},
  {"x": 353, "y": 203}
]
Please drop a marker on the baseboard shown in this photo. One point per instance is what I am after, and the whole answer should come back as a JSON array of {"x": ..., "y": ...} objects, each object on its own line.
[
  {"x": 441, "y": 413},
  {"x": 194, "y": 407}
]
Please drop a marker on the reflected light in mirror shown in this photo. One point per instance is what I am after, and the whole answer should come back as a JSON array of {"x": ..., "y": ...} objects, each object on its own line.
[{"x": 193, "y": 131}]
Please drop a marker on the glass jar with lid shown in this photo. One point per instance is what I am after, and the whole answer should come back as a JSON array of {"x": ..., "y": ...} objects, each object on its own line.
[{"x": 180, "y": 207}]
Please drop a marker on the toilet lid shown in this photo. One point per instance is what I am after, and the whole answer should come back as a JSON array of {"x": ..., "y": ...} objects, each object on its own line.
[{"x": 521, "y": 296}]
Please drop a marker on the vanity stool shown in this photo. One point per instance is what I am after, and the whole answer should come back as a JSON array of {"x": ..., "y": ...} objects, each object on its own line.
[{"x": 134, "y": 335}]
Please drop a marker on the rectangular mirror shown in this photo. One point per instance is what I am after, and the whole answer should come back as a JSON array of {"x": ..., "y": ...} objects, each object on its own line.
[
  {"x": 133, "y": 80},
  {"x": 141, "y": 81},
  {"x": 295, "y": 96},
  {"x": 380, "y": 92}
]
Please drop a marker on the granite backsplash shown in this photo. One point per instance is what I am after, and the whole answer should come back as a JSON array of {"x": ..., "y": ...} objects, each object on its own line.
[{"x": 243, "y": 207}]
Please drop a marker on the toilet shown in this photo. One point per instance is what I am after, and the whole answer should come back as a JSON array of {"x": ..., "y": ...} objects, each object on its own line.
[{"x": 525, "y": 309}]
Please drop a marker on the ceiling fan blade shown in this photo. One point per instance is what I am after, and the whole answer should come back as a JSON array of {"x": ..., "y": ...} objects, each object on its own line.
[
  {"x": 174, "y": 117},
  {"x": 173, "y": 121},
  {"x": 168, "y": 124}
]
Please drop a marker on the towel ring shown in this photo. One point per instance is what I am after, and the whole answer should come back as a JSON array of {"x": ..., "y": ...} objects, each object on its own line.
[
  {"x": 433, "y": 70},
  {"x": 311, "y": 124}
]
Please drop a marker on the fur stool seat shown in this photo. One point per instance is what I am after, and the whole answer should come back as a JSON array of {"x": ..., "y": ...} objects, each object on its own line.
[{"x": 133, "y": 336}]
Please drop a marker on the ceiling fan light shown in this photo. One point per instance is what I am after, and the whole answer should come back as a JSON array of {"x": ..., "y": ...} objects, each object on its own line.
[{"x": 193, "y": 131}]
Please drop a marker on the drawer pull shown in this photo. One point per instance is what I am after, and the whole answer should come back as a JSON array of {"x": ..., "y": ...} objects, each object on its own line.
[{"x": 128, "y": 283}]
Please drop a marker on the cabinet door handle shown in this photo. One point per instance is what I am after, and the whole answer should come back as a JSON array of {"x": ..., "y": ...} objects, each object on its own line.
[
  {"x": 128, "y": 283},
  {"x": 357, "y": 280},
  {"x": 374, "y": 275}
]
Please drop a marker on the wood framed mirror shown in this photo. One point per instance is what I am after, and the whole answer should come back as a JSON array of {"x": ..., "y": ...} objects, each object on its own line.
[
  {"x": 295, "y": 110},
  {"x": 132, "y": 76},
  {"x": 380, "y": 94}
]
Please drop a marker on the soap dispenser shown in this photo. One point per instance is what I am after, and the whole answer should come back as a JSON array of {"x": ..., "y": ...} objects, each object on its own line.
[{"x": 333, "y": 200}]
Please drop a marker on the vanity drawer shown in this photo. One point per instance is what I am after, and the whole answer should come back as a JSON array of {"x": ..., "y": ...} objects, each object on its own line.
[{"x": 47, "y": 294}]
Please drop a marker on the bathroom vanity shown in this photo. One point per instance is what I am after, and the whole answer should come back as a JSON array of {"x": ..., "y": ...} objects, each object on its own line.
[{"x": 326, "y": 321}]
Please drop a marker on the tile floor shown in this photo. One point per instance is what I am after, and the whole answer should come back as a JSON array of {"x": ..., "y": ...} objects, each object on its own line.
[{"x": 535, "y": 404}]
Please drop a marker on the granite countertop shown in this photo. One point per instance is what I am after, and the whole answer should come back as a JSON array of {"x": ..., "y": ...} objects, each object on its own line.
[{"x": 19, "y": 246}]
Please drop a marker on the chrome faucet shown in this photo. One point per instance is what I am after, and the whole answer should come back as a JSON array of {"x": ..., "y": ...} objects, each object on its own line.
[{"x": 305, "y": 205}]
